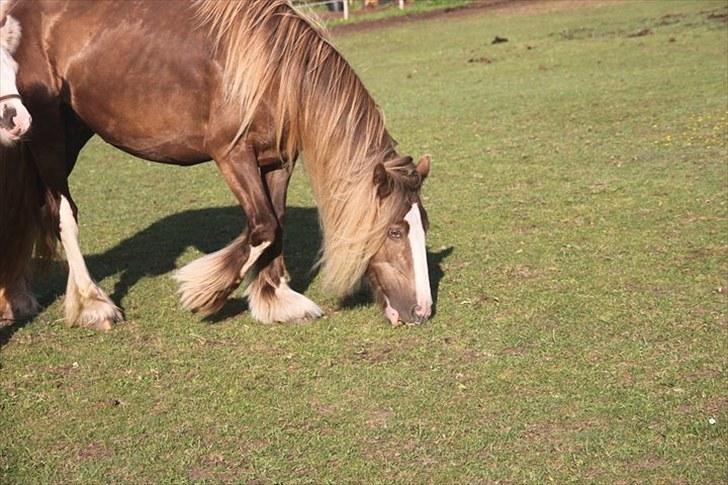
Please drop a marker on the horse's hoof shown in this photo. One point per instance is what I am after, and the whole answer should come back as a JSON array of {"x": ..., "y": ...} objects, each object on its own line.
[
  {"x": 98, "y": 315},
  {"x": 282, "y": 305}
]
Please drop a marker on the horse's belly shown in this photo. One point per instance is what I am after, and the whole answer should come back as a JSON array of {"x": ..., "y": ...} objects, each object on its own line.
[
  {"x": 145, "y": 93},
  {"x": 164, "y": 140}
]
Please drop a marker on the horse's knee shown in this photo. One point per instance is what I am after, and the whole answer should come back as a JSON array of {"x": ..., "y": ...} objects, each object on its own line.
[{"x": 263, "y": 232}]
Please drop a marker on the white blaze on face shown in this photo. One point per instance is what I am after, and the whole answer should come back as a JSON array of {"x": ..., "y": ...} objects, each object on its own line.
[
  {"x": 8, "y": 68},
  {"x": 419, "y": 258},
  {"x": 21, "y": 120}
]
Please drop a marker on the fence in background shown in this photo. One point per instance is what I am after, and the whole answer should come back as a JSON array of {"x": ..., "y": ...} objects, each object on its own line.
[{"x": 339, "y": 5}]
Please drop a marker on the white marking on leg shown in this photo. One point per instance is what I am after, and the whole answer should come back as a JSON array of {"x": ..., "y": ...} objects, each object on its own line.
[
  {"x": 69, "y": 238},
  {"x": 205, "y": 283},
  {"x": 286, "y": 305},
  {"x": 419, "y": 258},
  {"x": 86, "y": 303},
  {"x": 255, "y": 252}
]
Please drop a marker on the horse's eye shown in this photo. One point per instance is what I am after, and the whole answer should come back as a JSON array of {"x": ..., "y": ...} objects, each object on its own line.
[{"x": 395, "y": 234}]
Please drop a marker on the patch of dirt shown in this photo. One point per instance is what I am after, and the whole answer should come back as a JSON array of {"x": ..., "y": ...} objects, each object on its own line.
[
  {"x": 199, "y": 475},
  {"x": 470, "y": 356},
  {"x": 481, "y": 300},
  {"x": 522, "y": 271},
  {"x": 648, "y": 463},
  {"x": 374, "y": 355},
  {"x": 641, "y": 33},
  {"x": 109, "y": 403},
  {"x": 480, "y": 60},
  {"x": 322, "y": 408},
  {"x": 559, "y": 436},
  {"x": 522, "y": 7},
  {"x": 519, "y": 350},
  {"x": 94, "y": 450},
  {"x": 379, "y": 418},
  {"x": 670, "y": 19},
  {"x": 383, "y": 352},
  {"x": 717, "y": 405}
]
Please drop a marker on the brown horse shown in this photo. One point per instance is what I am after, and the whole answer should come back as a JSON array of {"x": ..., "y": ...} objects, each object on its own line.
[
  {"x": 249, "y": 84},
  {"x": 14, "y": 117}
]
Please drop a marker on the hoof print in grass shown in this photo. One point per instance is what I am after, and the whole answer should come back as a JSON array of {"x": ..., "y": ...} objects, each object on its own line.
[{"x": 499, "y": 40}]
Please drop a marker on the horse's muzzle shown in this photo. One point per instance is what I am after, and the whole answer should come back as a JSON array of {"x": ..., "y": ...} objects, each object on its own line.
[{"x": 15, "y": 121}]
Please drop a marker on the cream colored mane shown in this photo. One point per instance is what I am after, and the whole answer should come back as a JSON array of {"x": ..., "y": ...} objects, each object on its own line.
[{"x": 320, "y": 108}]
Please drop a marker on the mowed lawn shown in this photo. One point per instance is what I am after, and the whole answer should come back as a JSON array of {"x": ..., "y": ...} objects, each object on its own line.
[{"x": 578, "y": 252}]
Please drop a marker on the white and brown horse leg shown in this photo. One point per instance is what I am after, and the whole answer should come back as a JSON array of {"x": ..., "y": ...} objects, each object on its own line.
[
  {"x": 86, "y": 304},
  {"x": 206, "y": 283},
  {"x": 270, "y": 299},
  {"x": 57, "y": 142}
]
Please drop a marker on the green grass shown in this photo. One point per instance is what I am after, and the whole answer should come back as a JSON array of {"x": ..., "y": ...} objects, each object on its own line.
[{"x": 579, "y": 242}]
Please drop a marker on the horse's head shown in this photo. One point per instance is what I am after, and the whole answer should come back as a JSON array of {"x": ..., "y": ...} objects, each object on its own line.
[
  {"x": 14, "y": 117},
  {"x": 398, "y": 272}
]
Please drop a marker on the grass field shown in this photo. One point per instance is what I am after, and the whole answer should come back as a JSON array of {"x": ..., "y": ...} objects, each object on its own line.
[{"x": 578, "y": 251}]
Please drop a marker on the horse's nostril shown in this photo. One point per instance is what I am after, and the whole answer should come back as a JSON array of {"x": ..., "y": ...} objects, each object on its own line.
[
  {"x": 419, "y": 313},
  {"x": 6, "y": 119}
]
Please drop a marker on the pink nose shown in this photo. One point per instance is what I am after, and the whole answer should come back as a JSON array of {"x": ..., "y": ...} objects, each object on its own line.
[
  {"x": 422, "y": 312},
  {"x": 22, "y": 123}
]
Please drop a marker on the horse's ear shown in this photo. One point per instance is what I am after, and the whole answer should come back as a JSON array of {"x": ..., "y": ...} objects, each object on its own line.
[
  {"x": 423, "y": 166},
  {"x": 383, "y": 181}
]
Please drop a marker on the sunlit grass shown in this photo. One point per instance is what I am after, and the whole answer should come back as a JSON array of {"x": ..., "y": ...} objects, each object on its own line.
[{"x": 579, "y": 246}]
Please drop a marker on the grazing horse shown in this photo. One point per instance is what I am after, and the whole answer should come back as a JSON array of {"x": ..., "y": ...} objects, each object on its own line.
[
  {"x": 250, "y": 84},
  {"x": 14, "y": 117}
]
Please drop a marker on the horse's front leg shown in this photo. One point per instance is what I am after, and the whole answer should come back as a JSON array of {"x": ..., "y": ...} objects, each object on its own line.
[
  {"x": 270, "y": 299},
  {"x": 54, "y": 146},
  {"x": 206, "y": 283},
  {"x": 86, "y": 303}
]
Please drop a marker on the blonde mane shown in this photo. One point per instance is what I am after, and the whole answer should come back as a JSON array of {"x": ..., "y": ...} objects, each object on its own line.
[{"x": 320, "y": 108}]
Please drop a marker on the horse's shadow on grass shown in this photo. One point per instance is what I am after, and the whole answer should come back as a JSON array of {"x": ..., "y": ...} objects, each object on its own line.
[{"x": 154, "y": 251}]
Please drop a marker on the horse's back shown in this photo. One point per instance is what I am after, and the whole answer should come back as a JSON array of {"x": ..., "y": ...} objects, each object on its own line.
[{"x": 138, "y": 73}]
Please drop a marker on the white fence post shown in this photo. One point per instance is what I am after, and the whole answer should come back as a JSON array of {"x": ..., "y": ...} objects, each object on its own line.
[
  {"x": 401, "y": 4},
  {"x": 346, "y": 9}
]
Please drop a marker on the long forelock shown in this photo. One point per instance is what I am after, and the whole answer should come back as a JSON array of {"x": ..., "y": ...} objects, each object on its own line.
[{"x": 359, "y": 227}]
